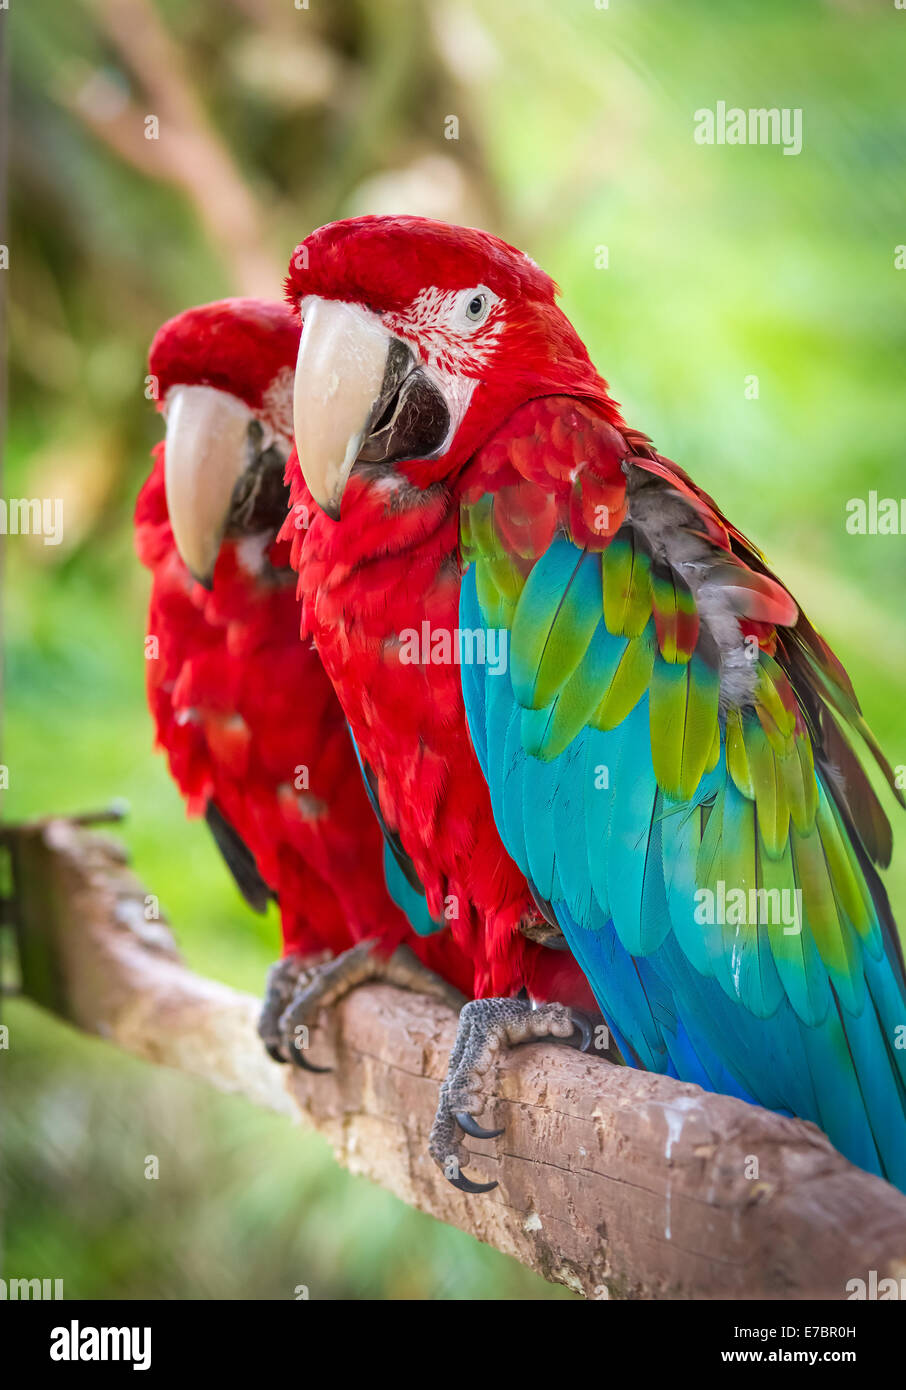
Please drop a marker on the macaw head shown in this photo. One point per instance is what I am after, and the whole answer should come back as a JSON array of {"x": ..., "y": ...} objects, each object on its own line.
[
  {"x": 224, "y": 375},
  {"x": 419, "y": 339}
]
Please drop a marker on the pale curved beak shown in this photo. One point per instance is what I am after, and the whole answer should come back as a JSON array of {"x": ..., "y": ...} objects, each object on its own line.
[
  {"x": 207, "y": 452},
  {"x": 340, "y": 371}
]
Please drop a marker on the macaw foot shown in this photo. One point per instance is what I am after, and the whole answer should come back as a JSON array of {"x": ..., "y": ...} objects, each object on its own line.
[
  {"x": 286, "y": 978},
  {"x": 298, "y": 990},
  {"x": 486, "y": 1027}
]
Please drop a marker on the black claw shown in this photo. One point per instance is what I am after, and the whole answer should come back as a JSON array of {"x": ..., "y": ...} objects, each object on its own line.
[
  {"x": 299, "y": 1059},
  {"x": 273, "y": 1050},
  {"x": 467, "y": 1185},
  {"x": 582, "y": 1027},
  {"x": 473, "y": 1128}
]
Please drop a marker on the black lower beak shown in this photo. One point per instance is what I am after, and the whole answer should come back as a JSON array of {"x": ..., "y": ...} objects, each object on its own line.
[
  {"x": 410, "y": 417},
  {"x": 260, "y": 498}
]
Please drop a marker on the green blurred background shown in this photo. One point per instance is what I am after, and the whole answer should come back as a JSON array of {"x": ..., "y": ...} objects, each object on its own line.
[{"x": 575, "y": 129}]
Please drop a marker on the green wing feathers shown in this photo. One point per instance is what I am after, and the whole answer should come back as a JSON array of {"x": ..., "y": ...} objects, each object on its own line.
[{"x": 601, "y": 619}]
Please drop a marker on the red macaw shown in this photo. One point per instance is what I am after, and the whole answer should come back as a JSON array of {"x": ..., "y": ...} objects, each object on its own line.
[
  {"x": 586, "y": 706},
  {"x": 255, "y": 738}
]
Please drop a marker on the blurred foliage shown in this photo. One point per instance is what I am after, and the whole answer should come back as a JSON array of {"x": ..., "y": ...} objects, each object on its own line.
[{"x": 575, "y": 127}]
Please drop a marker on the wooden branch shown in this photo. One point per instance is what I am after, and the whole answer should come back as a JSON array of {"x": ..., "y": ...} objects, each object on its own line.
[{"x": 614, "y": 1182}]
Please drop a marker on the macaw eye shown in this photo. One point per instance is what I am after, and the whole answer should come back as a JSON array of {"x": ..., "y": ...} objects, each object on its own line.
[{"x": 475, "y": 305}]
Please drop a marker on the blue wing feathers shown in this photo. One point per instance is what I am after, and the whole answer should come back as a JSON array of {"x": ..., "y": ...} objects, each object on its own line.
[{"x": 747, "y": 1015}]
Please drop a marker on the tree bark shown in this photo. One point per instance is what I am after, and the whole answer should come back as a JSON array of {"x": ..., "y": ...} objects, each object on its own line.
[{"x": 614, "y": 1182}]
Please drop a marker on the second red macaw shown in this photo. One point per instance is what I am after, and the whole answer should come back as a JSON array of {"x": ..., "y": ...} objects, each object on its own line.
[{"x": 253, "y": 732}]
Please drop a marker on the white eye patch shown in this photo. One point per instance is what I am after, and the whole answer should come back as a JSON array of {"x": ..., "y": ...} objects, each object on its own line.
[{"x": 438, "y": 320}]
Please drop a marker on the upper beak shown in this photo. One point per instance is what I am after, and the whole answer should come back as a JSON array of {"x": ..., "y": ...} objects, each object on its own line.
[
  {"x": 207, "y": 452},
  {"x": 339, "y": 373},
  {"x": 358, "y": 393}
]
